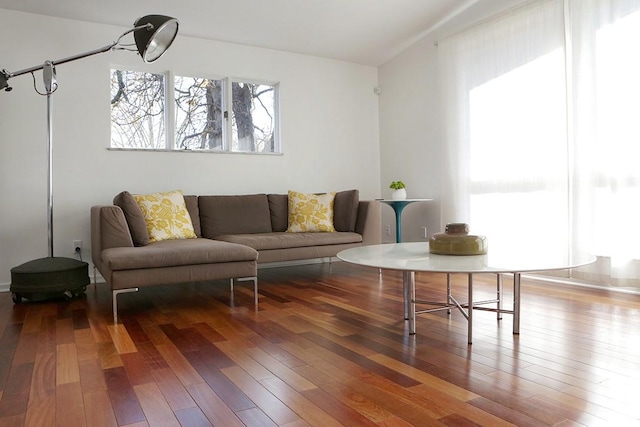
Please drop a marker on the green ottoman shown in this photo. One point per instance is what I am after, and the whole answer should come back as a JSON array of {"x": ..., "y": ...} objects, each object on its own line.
[{"x": 49, "y": 278}]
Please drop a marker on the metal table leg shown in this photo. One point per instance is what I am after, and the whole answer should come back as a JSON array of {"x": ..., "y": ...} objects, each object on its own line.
[
  {"x": 499, "y": 295},
  {"x": 449, "y": 297},
  {"x": 405, "y": 293},
  {"x": 412, "y": 301},
  {"x": 516, "y": 303},
  {"x": 470, "y": 310}
]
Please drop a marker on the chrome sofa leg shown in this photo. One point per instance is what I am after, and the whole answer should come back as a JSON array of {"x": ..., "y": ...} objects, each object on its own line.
[
  {"x": 255, "y": 286},
  {"x": 115, "y": 301}
]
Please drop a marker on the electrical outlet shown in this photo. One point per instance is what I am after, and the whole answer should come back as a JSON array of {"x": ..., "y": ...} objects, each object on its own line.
[
  {"x": 77, "y": 246},
  {"x": 387, "y": 230}
]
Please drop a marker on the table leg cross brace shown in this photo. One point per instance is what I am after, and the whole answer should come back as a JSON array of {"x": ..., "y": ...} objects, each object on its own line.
[{"x": 466, "y": 309}]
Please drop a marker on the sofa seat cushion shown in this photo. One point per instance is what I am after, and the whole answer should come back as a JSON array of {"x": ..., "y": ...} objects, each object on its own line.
[
  {"x": 284, "y": 240},
  {"x": 170, "y": 253}
]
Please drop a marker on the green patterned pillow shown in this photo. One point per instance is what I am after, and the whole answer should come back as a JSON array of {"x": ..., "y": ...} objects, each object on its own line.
[
  {"x": 310, "y": 212},
  {"x": 166, "y": 215}
]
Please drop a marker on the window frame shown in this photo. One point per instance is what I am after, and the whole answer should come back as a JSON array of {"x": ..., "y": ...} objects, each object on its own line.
[
  {"x": 166, "y": 121},
  {"x": 228, "y": 92},
  {"x": 227, "y": 127},
  {"x": 172, "y": 142}
]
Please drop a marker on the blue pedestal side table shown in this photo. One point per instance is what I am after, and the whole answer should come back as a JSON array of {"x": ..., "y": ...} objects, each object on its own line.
[{"x": 398, "y": 206}]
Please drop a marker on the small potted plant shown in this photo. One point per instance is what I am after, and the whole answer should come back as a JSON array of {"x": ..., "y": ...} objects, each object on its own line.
[{"x": 399, "y": 191}]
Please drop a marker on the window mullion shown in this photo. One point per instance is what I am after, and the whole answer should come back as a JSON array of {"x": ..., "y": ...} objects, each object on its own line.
[
  {"x": 227, "y": 104},
  {"x": 170, "y": 111}
]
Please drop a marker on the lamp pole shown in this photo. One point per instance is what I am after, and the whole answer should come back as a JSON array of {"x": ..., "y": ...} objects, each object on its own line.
[{"x": 49, "y": 77}]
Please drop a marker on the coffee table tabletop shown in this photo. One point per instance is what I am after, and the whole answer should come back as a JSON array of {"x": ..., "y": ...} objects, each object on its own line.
[{"x": 415, "y": 257}]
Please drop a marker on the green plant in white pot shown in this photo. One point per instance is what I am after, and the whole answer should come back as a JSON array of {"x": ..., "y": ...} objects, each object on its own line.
[{"x": 399, "y": 190}]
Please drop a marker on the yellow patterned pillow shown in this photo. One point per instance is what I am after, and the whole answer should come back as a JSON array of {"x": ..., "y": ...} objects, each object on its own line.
[
  {"x": 310, "y": 212},
  {"x": 166, "y": 215}
]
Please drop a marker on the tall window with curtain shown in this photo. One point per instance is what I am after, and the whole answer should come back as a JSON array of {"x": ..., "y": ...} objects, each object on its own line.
[{"x": 543, "y": 131}]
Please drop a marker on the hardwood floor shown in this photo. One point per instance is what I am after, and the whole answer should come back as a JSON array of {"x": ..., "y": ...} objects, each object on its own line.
[{"x": 327, "y": 346}]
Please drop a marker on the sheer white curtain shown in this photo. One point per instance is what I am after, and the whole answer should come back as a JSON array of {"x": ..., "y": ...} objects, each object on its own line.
[
  {"x": 605, "y": 135},
  {"x": 504, "y": 94},
  {"x": 543, "y": 130}
]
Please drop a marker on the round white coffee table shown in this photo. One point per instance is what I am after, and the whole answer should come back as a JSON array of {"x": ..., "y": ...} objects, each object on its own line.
[{"x": 415, "y": 256}]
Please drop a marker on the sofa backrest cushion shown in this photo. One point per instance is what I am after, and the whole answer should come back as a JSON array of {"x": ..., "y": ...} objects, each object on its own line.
[
  {"x": 194, "y": 213},
  {"x": 244, "y": 214},
  {"x": 134, "y": 217},
  {"x": 345, "y": 210},
  {"x": 279, "y": 208}
]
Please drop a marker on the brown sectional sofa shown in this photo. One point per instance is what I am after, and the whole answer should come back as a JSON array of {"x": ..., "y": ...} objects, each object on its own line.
[{"x": 234, "y": 234}]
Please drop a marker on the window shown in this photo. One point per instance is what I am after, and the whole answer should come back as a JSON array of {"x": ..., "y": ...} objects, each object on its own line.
[
  {"x": 542, "y": 131},
  {"x": 253, "y": 121},
  {"x": 199, "y": 113},
  {"x": 518, "y": 152},
  {"x": 219, "y": 115},
  {"x": 137, "y": 110}
]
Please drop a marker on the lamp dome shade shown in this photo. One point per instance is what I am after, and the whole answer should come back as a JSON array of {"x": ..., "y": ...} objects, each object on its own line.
[{"x": 154, "y": 40}]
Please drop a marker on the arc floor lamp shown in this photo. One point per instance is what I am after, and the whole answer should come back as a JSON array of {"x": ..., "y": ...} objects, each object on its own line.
[{"x": 51, "y": 276}]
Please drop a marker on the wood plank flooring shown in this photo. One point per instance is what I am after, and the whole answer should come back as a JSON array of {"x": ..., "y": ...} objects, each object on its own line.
[{"x": 327, "y": 346}]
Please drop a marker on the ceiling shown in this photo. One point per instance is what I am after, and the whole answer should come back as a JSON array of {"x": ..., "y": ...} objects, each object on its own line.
[{"x": 363, "y": 31}]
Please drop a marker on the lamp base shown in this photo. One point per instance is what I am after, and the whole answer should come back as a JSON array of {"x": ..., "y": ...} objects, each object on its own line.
[{"x": 49, "y": 278}]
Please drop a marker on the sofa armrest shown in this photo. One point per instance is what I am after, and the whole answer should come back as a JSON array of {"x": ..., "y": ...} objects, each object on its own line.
[
  {"x": 109, "y": 229},
  {"x": 368, "y": 222}
]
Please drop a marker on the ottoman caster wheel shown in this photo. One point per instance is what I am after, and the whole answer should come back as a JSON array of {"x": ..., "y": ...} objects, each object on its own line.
[
  {"x": 77, "y": 293},
  {"x": 17, "y": 299}
]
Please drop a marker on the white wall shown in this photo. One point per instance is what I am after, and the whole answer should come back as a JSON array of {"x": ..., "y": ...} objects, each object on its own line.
[
  {"x": 410, "y": 148},
  {"x": 329, "y": 117}
]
